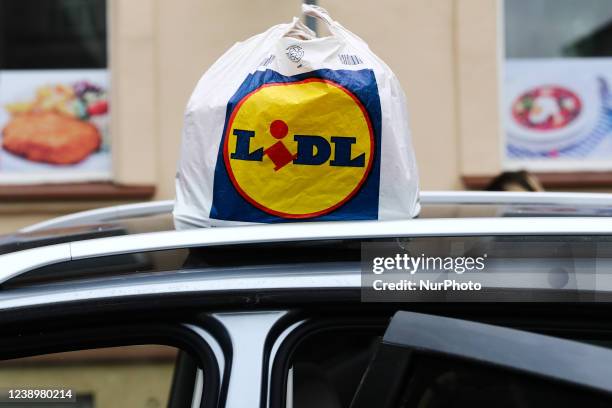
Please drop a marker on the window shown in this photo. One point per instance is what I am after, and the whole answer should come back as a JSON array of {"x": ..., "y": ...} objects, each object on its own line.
[
  {"x": 447, "y": 382},
  {"x": 558, "y": 28},
  {"x": 54, "y": 113},
  {"x": 131, "y": 376},
  {"x": 327, "y": 368},
  {"x": 556, "y": 85},
  {"x": 321, "y": 362},
  {"x": 432, "y": 361},
  {"x": 53, "y": 34},
  {"x": 109, "y": 365},
  {"x": 334, "y": 362}
]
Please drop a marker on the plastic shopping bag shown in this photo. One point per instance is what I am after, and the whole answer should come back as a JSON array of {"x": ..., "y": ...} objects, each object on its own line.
[{"x": 286, "y": 126}]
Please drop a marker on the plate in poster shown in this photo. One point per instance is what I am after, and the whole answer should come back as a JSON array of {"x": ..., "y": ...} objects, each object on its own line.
[{"x": 552, "y": 113}]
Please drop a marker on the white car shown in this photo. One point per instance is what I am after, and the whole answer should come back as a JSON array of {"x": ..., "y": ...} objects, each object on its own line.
[{"x": 284, "y": 315}]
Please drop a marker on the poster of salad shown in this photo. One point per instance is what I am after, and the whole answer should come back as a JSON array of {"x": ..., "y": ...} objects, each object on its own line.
[
  {"x": 54, "y": 126},
  {"x": 557, "y": 114}
]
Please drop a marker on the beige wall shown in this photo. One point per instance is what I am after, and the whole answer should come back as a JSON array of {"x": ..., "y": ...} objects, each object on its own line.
[
  {"x": 192, "y": 35},
  {"x": 159, "y": 49},
  {"x": 443, "y": 51},
  {"x": 478, "y": 53},
  {"x": 419, "y": 41},
  {"x": 433, "y": 46},
  {"x": 415, "y": 38}
]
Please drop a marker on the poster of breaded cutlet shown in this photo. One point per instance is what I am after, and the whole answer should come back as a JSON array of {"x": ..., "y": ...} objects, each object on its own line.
[{"x": 54, "y": 126}]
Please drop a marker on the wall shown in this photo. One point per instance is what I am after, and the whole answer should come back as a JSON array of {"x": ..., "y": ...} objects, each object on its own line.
[
  {"x": 192, "y": 35},
  {"x": 478, "y": 50},
  {"x": 443, "y": 51},
  {"x": 158, "y": 50},
  {"x": 415, "y": 38}
]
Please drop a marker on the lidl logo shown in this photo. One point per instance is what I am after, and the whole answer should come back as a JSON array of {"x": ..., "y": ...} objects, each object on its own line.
[{"x": 299, "y": 149}]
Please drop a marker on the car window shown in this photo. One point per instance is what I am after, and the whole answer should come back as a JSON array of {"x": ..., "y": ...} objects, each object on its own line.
[
  {"x": 321, "y": 363},
  {"x": 431, "y": 361},
  {"x": 443, "y": 382},
  {"x": 327, "y": 368},
  {"x": 324, "y": 361},
  {"x": 129, "y": 376}
]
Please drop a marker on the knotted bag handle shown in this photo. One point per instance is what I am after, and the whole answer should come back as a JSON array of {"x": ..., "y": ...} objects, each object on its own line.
[
  {"x": 297, "y": 29},
  {"x": 318, "y": 12}
]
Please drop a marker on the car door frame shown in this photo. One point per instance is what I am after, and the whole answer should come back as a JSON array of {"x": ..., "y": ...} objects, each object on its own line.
[
  {"x": 102, "y": 334},
  {"x": 524, "y": 352}
]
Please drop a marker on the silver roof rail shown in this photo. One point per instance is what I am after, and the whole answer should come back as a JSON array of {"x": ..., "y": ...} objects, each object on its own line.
[
  {"x": 105, "y": 214},
  {"x": 515, "y": 197},
  {"x": 17, "y": 263},
  {"x": 118, "y": 212}
]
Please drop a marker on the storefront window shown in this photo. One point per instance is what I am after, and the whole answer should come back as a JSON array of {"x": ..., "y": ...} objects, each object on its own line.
[
  {"x": 557, "y": 101},
  {"x": 53, "y": 91}
]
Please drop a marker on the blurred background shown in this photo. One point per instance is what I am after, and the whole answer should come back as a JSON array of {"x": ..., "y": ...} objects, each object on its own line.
[
  {"x": 492, "y": 86},
  {"x": 92, "y": 94}
]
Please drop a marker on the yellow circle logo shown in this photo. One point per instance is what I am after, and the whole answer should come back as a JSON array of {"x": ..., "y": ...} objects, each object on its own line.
[{"x": 299, "y": 149}]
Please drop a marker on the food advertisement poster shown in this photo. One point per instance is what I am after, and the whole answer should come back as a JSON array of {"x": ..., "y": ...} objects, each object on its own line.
[
  {"x": 558, "y": 114},
  {"x": 54, "y": 126}
]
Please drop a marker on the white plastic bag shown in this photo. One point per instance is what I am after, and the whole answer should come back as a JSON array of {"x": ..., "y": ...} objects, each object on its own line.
[{"x": 287, "y": 127}]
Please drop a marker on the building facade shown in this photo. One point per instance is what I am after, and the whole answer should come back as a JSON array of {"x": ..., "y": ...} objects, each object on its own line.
[{"x": 447, "y": 54}]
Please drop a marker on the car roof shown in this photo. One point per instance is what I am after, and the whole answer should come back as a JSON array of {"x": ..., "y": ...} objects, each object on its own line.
[
  {"x": 450, "y": 204},
  {"x": 157, "y": 215},
  {"x": 139, "y": 228}
]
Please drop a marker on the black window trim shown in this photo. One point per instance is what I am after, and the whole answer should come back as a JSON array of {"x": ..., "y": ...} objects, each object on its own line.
[
  {"x": 544, "y": 356},
  {"x": 117, "y": 335},
  {"x": 312, "y": 325}
]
